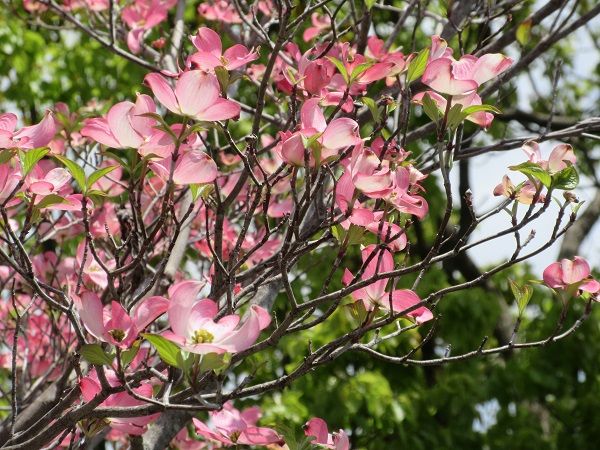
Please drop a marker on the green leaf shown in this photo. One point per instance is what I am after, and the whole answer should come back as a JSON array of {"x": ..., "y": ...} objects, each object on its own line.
[
  {"x": 533, "y": 170},
  {"x": 417, "y": 66},
  {"x": 98, "y": 174},
  {"x": 391, "y": 107},
  {"x": 6, "y": 155},
  {"x": 165, "y": 126},
  {"x": 201, "y": 190},
  {"x": 358, "y": 311},
  {"x": 372, "y": 105},
  {"x": 522, "y": 295},
  {"x": 359, "y": 70},
  {"x": 223, "y": 77},
  {"x": 340, "y": 67},
  {"x": 128, "y": 355},
  {"x": 76, "y": 171},
  {"x": 455, "y": 116},
  {"x": 369, "y": 4},
  {"x": 476, "y": 108},
  {"x": 292, "y": 76},
  {"x": 30, "y": 158},
  {"x": 213, "y": 361},
  {"x": 309, "y": 142},
  {"x": 567, "y": 179},
  {"x": 430, "y": 108},
  {"x": 166, "y": 349},
  {"x": 354, "y": 234},
  {"x": 185, "y": 361},
  {"x": 575, "y": 207},
  {"x": 49, "y": 200},
  {"x": 118, "y": 158},
  {"x": 97, "y": 192},
  {"x": 94, "y": 354},
  {"x": 295, "y": 438},
  {"x": 200, "y": 126},
  {"x": 524, "y": 32}
]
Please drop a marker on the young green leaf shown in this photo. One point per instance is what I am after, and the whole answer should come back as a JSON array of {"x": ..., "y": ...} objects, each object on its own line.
[
  {"x": 98, "y": 174},
  {"x": 223, "y": 77},
  {"x": 567, "y": 179},
  {"x": 455, "y": 116},
  {"x": 535, "y": 171},
  {"x": 522, "y": 295},
  {"x": 6, "y": 155},
  {"x": 50, "y": 200},
  {"x": 294, "y": 438},
  {"x": 215, "y": 362},
  {"x": 199, "y": 126},
  {"x": 524, "y": 32},
  {"x": 354, "y": 234},
  {"x": 76, "y": 171},
  {"x": 201, "y": 190},
  {"x": 369, "y": 4},
  {"x": 128, "y": 355},
  {"x": 166, "y": 349},
  {"x": 372, "y": 105},
  {"x": 359, "y": 70},
  {"x": 476, "y": 108},
  {"x": 340, "y": 67},
  {"x": 94, "y": 354},
  {"x": 430, "y": 108},
  {"x": 165, "y": 126},
  {"x": 417, "y": 66},
  {"x": 30, "y": 158}
]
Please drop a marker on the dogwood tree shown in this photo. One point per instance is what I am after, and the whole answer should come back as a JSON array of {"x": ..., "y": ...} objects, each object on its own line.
[{"x": 273, "y": 196}]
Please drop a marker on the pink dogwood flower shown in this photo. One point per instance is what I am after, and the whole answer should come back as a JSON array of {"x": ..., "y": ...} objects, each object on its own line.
[
  {"x": 42, "y": 183},
  {"x": 399, "y": 63},
  {"x": 143, "y": 15},
  {"x": 525, "y": 193},
  {"x": 191, "y": 167},
  {"x": 90, "y": 387},
  {"x": 561, "y": 156},
  {"x": 451, "y": 77},
  {"x": 319, "y": 24},
  {"x": 9, "y": 180},
  {"x": 402, "y": 197},
  {"x": 330, "y": 138},
  {"x": 210, "y": 52},
  {"x": 317, "y": 428},
  {"x": 390, "y": 233},
  {"x": 194, "y": 329},
  {"x": 232, "y": 427},
  {"x": 375, "y": 295},
  {"x": 565, "y": 273},
  {"x": 196, "y": 95},
  {"x": 112, "y": 323},
  {"x": 124, "y": 126},
  {"x": 439, "y": 48},
  {"x": 482, "y": 118},
  {"x": 460, "y": 79},
  {"x": 92, "y": 270},
  {"x": 310, "y": 75},
  {"x": 33, "y": 136},
  {"x": 219, "y": 10},
  {"x": 369, "y": 174}
]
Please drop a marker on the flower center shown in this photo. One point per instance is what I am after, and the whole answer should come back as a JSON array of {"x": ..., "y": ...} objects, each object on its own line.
[
  {"x": 202, "y": 337},
  {"x": 234, "y": 436},
  {"x": 117, "y": 335}
]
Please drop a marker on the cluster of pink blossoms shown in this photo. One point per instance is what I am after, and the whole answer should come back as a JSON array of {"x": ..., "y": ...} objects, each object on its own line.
[
  {"x": 561, "y": 157},
  {"x": 376, "y": 185}
]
